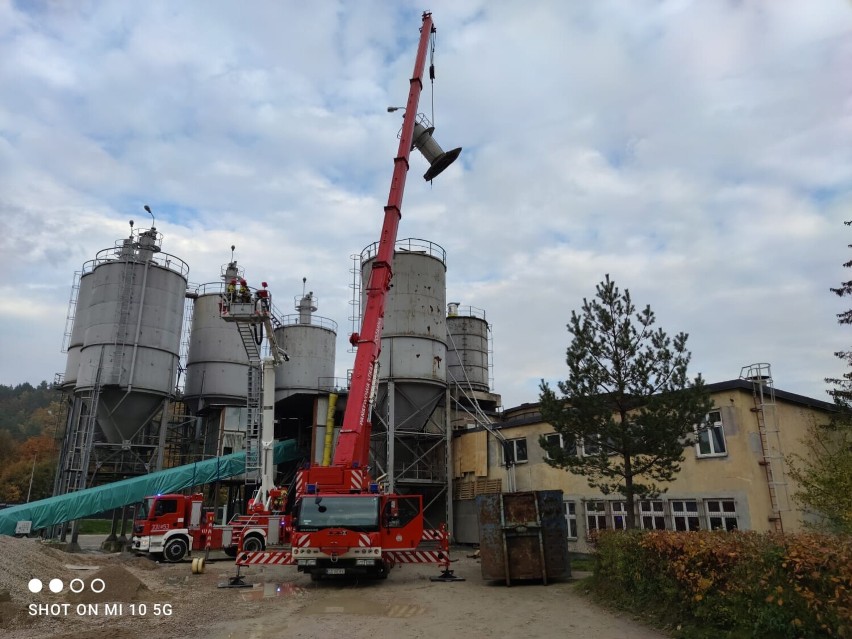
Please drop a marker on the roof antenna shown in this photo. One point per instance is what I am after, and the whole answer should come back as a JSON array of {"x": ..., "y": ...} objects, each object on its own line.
[
  {"x": 232, "y": 252},
  {"x": 304, "y": 281},
  {"x": 153, "y": 221}
]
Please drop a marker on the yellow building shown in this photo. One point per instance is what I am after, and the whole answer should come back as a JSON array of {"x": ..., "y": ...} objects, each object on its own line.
[{"x": 735, "y": 477}]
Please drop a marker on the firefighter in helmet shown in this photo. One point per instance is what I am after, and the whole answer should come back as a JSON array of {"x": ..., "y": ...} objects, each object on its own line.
[{"x": 245, "y": 294}]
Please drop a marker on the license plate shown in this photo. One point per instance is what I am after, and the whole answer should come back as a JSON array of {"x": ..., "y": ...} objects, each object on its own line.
[{"x": 335, "y": 571}]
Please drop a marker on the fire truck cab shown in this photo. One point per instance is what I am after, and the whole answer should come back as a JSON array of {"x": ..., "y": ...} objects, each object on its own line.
[{"x": 340, "y": 535}]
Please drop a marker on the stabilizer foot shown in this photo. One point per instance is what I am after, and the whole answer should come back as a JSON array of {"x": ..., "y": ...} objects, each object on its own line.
[{"x": 446, "y": 575}]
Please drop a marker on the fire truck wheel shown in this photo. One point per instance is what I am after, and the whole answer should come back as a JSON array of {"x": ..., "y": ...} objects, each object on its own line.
[
  {"x": 175, "y": 549},
  {"x": 253, "y": 543}
]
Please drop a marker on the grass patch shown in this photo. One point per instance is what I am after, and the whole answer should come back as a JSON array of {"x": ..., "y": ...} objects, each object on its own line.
[
  {"x": 95, "y": 526},
  {"x": 582, "y": 562}
]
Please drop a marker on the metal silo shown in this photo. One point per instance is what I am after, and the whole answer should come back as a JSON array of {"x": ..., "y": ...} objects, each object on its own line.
[
  {"x": 409, "y": 442},
  {"x": 467, "y": 347},
  {"x": 131, "y": 344},
  {"x": 122, "y": 362},
  {"x": 309, "y": 340},
  {"x": 414, "y": 340},
  {"x": 217, "y": 362}
]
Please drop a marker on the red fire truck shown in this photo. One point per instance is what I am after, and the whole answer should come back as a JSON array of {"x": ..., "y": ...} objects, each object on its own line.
[{"x": 173, "y": 526}]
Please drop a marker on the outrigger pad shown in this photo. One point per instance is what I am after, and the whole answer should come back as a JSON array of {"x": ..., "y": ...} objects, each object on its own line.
[
  {"x": 237, "y": 581},
  {"x": 446, "y": 575}
]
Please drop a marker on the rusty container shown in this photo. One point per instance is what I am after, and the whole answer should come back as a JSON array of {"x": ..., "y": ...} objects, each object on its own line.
[{"x": 523, "y": 536}]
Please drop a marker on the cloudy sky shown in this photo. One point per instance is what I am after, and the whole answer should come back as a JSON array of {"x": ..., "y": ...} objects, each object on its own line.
[{"x": 698, "y": 152}]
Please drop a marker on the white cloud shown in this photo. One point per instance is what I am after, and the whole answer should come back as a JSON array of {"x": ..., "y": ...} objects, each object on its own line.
[{"x": 700, "y": 153}]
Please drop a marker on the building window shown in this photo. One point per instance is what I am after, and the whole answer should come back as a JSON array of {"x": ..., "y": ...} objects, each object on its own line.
[
  {"x": 618, "y": 511},
  {"x": 592, "y": 445},
  {"x": 571, "y": 517},
  {"x": 515, "y": 451},
  {"x": 685, "y": 515},
  {"x": 595, "y": 516},
  {"x": 711, "y": 437},
  {"x": 652, "y": 515},
  {"x": 721, "y": 514},
  {"x": 557, "y": 439}
]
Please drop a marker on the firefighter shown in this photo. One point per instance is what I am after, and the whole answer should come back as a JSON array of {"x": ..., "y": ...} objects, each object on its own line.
[
  {"x": 245, "y": 294},
  {"x": 232, "y": 291},
  {"x": 262, "y": 299}
]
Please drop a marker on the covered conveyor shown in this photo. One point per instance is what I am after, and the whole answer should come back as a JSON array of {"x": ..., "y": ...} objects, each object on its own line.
[{"x": 83, "y": 503}]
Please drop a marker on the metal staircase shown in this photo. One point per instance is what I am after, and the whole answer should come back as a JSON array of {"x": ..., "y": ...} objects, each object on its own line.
[
  {"x": 74, "y": 475},
  {"x": 763, "y": 392},
  {"x": 72, "y": 310}
]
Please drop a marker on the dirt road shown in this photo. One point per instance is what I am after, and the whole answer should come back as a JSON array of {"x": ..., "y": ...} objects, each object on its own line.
[{"x": 166, "y": 600}]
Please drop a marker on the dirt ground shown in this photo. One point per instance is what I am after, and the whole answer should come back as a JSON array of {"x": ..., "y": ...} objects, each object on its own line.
[{"x": 147, "y": 599}]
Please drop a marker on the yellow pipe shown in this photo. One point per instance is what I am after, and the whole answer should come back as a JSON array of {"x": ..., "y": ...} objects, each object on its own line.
[{"x": 329, "y": 430}]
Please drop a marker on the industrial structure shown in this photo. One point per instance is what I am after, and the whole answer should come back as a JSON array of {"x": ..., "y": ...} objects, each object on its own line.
[
  {"x": 416, "y": 432},
  {"x": 122, "y": 340}
]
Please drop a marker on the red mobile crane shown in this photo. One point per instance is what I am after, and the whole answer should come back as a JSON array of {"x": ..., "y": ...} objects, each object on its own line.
[{"x": 343, "y": 523}]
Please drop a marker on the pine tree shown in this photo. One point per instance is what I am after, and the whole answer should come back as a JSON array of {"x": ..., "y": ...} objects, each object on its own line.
[{"x": 627, "y": 400}]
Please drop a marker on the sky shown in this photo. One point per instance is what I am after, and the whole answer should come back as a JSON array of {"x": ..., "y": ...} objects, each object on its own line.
[{"x": 699, "y": 153}]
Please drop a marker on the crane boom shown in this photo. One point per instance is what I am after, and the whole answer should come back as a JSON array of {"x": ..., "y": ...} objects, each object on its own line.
[
  {"x": 343, "y": 522},
  {"x": 353, "y": 446}
]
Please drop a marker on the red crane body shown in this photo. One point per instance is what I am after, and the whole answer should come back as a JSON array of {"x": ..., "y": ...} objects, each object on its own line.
[
  {"x": 351, "y": 456},
  {"x": 343, "y": 524}
]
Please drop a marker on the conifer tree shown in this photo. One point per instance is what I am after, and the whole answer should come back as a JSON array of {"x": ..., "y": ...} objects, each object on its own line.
[{"x": 628, "y": 408}]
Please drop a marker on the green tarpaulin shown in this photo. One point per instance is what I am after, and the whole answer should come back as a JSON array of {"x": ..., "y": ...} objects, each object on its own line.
[{"x": 55, "y": 510}]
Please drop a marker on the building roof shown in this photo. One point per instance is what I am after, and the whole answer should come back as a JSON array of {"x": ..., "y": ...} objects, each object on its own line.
[{"x": 528, "y": 413}]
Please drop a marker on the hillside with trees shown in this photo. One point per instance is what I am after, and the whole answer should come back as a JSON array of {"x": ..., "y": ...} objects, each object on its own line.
[{"x": 31, "y": 419}]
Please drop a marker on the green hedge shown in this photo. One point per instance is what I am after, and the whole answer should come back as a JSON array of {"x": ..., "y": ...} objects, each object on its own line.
[{"x": 748, "y": 584}]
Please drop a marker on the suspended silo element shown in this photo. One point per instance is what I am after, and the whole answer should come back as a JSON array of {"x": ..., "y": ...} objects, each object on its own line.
[
  {"x": 217, "y": 363},
  {"x": 414, "y": 339},
  {"x": 131, "y": 344},
  {"x": 310, "y": 341},
  {"x": 467, "y": 347}
]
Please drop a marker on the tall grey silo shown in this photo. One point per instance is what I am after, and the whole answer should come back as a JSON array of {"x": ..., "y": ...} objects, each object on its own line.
[
  {"x": 469, "y": 365},
  {"x": 410, "y": 430},
  {"x": 216, "y": 369},
  {"x": 130, "y": 311},
  {"x": 305, "y": 383},
  {"x": 467, "y": 347}
]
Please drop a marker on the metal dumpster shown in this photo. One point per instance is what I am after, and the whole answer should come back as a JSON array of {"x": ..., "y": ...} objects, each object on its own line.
[{"x": 523, "y": 536}]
